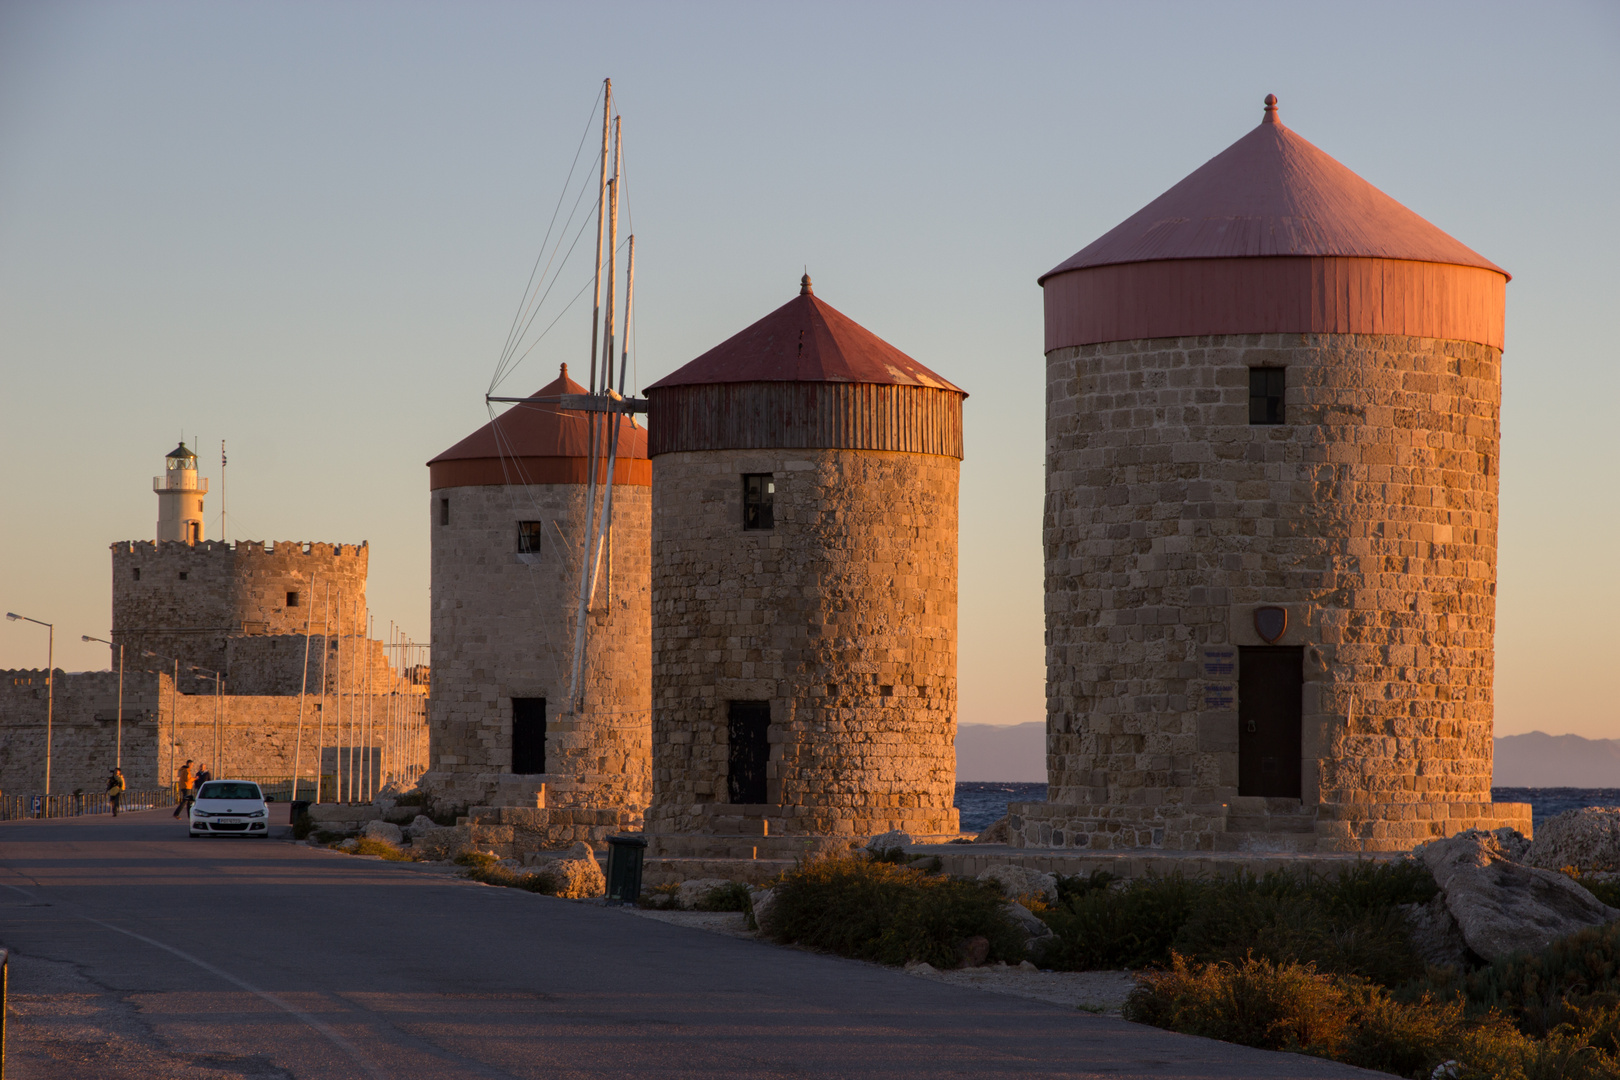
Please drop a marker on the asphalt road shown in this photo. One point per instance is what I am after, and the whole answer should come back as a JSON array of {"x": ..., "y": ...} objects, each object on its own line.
[{"x": 141, "y": 953}]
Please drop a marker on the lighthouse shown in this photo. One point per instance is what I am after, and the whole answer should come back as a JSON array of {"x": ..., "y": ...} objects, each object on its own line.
[{"x": 180, "y": 497}]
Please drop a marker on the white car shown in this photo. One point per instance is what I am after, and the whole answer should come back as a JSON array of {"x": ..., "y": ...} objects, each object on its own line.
[{"x": 230, "y": 808}]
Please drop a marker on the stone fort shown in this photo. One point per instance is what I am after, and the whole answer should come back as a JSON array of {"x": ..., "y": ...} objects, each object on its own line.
[{"x": 187, "y": 609}]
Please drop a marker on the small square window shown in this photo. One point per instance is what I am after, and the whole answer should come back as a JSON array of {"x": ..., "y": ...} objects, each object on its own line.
[
  {"x": 759, "y": 497},
  {"x": 444, "y": 511},
  {"x": 182, "y": 575},
  {"x": 136, "y": 571},
  {"x": 292, "y": 599},
  {"x": 1266, "y": 386},
  {"x": 530, "y": 535}
]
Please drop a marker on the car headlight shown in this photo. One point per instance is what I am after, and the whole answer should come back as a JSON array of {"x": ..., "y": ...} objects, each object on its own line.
[
  {"x": 260, "y": 813},
  {"x": 200, "y": 813}
]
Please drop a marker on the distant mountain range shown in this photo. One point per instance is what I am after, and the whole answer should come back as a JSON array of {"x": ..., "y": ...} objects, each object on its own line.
[
  {"x": 1541, "y": 760},
  {"x": 1017, "y": 753},
  {"x": 1014, "y": 753}
]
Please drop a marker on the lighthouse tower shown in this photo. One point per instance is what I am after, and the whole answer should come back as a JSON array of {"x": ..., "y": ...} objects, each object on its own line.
[{"x": 180, "y": 498}]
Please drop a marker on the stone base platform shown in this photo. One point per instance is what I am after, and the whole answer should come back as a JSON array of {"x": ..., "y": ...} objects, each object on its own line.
[
  {"x": 661, "y": 871},
  {"x": 513, "y": 832},
  {"x": 1254, "y": 825}
]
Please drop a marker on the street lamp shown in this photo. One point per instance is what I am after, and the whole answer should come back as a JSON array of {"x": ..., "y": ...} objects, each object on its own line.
[
  {"x": 217, "y": 702},
  {"x": 118, "y": 762},
  {"x": 50, "y": 687}
]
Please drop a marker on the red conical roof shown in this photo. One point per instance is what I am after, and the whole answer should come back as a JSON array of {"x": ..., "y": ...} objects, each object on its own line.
[
  {"x": 543, "y": 429},
  {"x": 805, "y": 340},
  {"x": 1273, "y": 193}
]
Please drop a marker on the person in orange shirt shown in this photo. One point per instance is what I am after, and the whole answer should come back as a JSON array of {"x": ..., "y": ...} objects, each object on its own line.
[{"x": 184, "y": 783}]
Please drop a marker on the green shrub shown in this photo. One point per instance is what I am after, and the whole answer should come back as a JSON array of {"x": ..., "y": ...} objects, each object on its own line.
[
  {"x": 879, "y": 911},
  {"x": 1564, "y": 982},
  {"x": 659, "y": 897},
  {"x": 1344, "y": 925},
  {"x": 732, "y": 896},
  {"x": 1607, "y": 892},
  {"x": 1292, "y": 1007},
  {"x": 1099, "y": 926}
]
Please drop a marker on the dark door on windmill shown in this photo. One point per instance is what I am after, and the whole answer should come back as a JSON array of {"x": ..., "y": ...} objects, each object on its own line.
[
  {"x": 528, "y": 735},
  {"x": 1271, "y": 682},
  {"x": 748, "y": 725}
]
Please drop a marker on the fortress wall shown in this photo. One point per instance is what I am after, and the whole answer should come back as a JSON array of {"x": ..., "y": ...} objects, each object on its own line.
[{"x": 183, "y": 600}]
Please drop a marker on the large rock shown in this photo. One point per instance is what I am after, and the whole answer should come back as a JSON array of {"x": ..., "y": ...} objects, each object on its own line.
[
  {"x": 1587, "y": 839},
  {"x": 761, "y": 902},
  {"x": 1037, "y": 935},
  {"x": 884, "y": 843},
  {"x": 579, "y": 875},
  {"x": 382, "y": 830},
  {"x": 1017, "y": 881},
  {"x": 691, "y": 893},
  {"x": 1504, "y": 907},
  {"x": 1435, "y": 935},
  {"x": 999, "y": 832}
]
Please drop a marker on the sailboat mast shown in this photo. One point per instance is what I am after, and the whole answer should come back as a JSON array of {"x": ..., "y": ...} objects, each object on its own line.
[
  {"x": 587, "y": 577},
  {"x": 601, "y": 214}
]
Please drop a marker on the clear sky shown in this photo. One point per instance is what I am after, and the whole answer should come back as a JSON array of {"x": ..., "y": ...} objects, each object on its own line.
[{"x": 304, "y": 228}]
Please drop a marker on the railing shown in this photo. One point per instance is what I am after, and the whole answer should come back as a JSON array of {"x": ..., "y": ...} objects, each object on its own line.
[{"x": 15, "y": 807}]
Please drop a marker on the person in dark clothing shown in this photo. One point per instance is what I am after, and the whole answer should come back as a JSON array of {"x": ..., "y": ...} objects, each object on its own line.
[
  {"x": 115, "y": 789},
  {"x": 187, "y": 790}
]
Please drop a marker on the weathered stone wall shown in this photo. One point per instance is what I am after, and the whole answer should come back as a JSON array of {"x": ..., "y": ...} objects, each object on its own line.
[
  {"x": 843, "y": 617},
  {"x": 1371, "y": 515},
  {"x": 274, "y": 664},
  {"x": 258, "y": 734},
  {"x": 231, "y": 590},
  {"x": 503, "y": 627},
  {"x": 84, "y": 735}
]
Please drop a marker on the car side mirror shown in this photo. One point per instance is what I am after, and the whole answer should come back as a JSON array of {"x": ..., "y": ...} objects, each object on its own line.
[{"x": 269, "y": 798}]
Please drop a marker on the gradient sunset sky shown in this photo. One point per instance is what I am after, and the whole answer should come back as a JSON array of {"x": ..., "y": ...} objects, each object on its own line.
[{"x": 304, "y": 228}]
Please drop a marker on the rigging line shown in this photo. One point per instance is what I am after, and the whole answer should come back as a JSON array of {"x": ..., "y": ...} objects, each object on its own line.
[
  {"x": 506, "y": 361},
  {"x": 561, "y": 195},
  {"x": 535, "y": 344},
  {"x": 533, "y": 309},
  {"x": 532, "y": 297}
]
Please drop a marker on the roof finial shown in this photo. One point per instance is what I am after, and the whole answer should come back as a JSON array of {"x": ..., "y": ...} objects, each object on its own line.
[
  {"x": 805, "y": 288},
  {"x": 563, "y": 373},
  {"x": 1271, "y": 110}
]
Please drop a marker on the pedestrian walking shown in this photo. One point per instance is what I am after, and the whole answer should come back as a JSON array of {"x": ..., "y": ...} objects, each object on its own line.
[
  {"x": 115, "y": 789},
  {"x": 185, "y": 800}
]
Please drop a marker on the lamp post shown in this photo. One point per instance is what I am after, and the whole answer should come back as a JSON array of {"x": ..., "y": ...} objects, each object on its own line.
[
  {"x": 50, "y": 686},
  {"x": 174, "y": 708},
  {"x": 217, "y": 700},
  {"x": 118, "y": 761}
]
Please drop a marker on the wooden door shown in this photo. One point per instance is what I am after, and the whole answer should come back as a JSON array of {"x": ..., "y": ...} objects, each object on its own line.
[
  {"x": 748, "y": 725},
  {"x": 1271, "y": 682},
  {"x": 528, "y": 735}
]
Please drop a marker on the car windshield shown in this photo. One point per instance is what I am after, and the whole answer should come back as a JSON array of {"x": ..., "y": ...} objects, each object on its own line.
[{"x": 226, "y": 789}]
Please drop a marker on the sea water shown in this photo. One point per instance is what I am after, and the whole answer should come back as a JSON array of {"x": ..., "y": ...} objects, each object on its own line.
[{"x": 981, "y": 804}]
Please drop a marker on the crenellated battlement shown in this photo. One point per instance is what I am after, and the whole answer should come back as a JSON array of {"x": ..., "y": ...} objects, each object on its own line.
[{"x": 241, "y": 549}]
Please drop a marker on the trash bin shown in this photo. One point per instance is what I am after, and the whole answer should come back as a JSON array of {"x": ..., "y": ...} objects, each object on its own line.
[
  {"x": 295, "y": 809},
  {"x": 625, "y": 852}
]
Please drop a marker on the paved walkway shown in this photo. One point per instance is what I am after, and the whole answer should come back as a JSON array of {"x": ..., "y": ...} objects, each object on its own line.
[{"x": 141, "y": 953}]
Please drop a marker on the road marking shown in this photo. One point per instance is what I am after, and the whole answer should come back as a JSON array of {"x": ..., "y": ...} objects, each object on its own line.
[{"x": 321, "y": 1026}]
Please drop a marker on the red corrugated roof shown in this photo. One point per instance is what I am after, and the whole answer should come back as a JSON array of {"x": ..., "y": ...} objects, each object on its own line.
[
  {"x": 1273, "y": 193},
  {"x": 805, "y": 340},
  {"x": 542, "y": 430}
]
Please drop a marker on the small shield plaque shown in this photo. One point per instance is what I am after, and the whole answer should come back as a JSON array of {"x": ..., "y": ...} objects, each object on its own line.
[{"x": 1270, "y": 623}]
